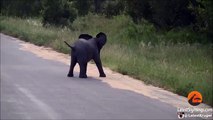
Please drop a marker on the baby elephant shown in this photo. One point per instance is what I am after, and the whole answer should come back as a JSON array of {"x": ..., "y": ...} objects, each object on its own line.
[{"x": 85, "y": 49}]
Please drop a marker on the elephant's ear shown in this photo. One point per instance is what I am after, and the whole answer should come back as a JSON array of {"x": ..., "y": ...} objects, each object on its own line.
[
  {"x": 101, "y": 39},
  {"x": 85, "y": 36}
]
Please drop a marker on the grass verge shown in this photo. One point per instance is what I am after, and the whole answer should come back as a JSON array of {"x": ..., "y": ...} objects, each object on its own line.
[{"x": 132, "y": 50}]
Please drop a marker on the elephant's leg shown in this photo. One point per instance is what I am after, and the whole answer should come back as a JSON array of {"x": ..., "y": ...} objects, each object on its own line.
[
  {"x": 83, "y": 70},
  {"x": 99, "y": 66},
  {"x": 72, "y": 65}
]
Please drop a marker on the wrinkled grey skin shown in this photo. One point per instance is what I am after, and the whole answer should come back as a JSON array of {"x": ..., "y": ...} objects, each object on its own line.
[{"x": 85, "y": 50}]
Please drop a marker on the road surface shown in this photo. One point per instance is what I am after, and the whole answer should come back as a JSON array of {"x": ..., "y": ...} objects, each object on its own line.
[{"x": 37, "y": 88}]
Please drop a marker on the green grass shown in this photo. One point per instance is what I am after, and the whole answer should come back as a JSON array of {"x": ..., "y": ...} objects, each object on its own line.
[{"x": 135, "y": 50}]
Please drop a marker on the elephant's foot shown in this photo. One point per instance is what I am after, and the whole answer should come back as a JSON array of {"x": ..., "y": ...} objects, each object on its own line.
[
  {"x": 102, "y": 75},
  {"x": 82, "y": 76},
  {"x": 69, "y": 75}
]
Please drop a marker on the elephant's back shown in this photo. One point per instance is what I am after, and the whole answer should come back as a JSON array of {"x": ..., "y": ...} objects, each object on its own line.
[
  {"x": 83, "y": 44},
  {"x": 84, "y": 49}
]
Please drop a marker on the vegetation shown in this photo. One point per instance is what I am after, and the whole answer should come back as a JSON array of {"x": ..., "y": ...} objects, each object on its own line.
[{"x": 169, "y": 50}]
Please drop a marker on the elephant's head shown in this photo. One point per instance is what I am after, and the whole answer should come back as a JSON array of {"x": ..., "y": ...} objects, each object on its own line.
[
  {"x": 85, "y": 36},
  {"x": 101, "y": 39}
]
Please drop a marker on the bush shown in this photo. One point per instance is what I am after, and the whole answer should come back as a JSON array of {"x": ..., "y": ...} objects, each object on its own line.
[
  {"x": 113, "y": 7},
  {"x": 21, "y": 8},
  {"x": 58, "y": 13},
  {"x": 82, "y": 6}
]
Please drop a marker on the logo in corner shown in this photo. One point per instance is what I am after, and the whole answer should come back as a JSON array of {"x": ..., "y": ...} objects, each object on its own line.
[
  {"x": 180, "y": 115},
  {"x": 194, "y": 98}
]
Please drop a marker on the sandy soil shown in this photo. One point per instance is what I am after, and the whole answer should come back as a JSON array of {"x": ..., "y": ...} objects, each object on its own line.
[{"x": 114, "y": 79}]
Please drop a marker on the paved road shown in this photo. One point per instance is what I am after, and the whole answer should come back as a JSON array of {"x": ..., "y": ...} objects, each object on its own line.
[{"x": 35, "y": 88}]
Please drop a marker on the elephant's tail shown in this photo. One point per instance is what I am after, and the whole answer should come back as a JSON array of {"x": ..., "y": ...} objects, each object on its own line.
[{"x": 69, "y": 45}]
